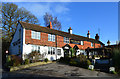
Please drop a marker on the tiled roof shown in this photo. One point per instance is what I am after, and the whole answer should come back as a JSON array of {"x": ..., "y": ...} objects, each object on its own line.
[
  {"x": 56, "y": 32},
  {"x": 113, "y": 46}
]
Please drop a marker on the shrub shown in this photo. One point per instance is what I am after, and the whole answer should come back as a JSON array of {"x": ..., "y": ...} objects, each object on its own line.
[
  {"x": 88, "y": 63},
  {"x": 73, "y": 62},
  {"x": 72, "y": 50},
  {"x": 46, "y": 60},
  {"x": 13, "y": 60},
  {"x": 8, "y": 61},
  {"x": 61, "y": 59},
  {"x": 27, "y": 61},
  {"x": 116, "y": 56},
  {"x": 64, "y": 60},
  {"x": 116, "y": 59},
  {"x": 16, "y": 60}
]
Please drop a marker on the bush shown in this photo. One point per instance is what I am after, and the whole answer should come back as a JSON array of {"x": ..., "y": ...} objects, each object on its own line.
[
  {"x": 88, "y": 63},
  {"x": 61, "y": 59},
  {"x": 46, "y": 60},
  {"x": 116, "y": 59},
  {"x": 13, "y": 60},
  {"x": 27, "y": 61},
  {"x": 16, "y": 60},
  {"x": 64, "y": 60},
  {"x": 73, "y": 62},
  {"x": 8, "y": 61}
]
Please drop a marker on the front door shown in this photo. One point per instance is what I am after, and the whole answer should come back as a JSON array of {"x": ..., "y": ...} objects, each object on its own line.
[{"x": 66, "y": 52}]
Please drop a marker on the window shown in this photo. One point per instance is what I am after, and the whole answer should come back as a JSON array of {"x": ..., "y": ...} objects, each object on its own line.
[
  {"x": 51, "y": 50},
  {"x": 91, "y": 44},
  {"x": 82, "y": 43},
  {"x": 35, "y": 35},
  {"x": 59, "y": 51},
  {"x": 51, "y": 37},
  {"x": 36, "y": 48},
  {"x": 66, "y": 40}
]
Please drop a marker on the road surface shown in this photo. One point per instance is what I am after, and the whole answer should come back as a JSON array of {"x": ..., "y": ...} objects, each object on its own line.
[{"x": 57, "y": 71}]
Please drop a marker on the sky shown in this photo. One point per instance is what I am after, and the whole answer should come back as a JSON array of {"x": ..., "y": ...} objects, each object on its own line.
[{"x": 97, "y": 17}]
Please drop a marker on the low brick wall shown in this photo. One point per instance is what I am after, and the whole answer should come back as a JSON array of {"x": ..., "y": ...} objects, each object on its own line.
[{"x": 29, "y": 65}]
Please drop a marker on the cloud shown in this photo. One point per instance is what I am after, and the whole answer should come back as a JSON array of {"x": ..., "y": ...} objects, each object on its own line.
[
  {"x": 40, "y": 8},
  {"x": 61, "y": 9}
]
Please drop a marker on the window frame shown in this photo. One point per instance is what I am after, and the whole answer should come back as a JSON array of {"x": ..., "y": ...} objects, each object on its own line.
[
  {"x": 51, "y": 50},
  {"x": 35, "y": 35},
  {"x": 59, "y": 53},
  {"x": 51, "y": 37},
  {"x": 66, "y": 40},
  {"x": 92, "y": 44},
  {"x": 81, "y": 42}
]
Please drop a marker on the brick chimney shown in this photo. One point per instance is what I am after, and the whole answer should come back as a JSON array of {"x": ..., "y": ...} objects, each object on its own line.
[
  {"x": 88, "y": 34},
  {"x": 97, "y": 37},
  {"x": 50, "y": 25},
  {"x": 70, "y": 30},
  {"x": 108, "y": 42}
]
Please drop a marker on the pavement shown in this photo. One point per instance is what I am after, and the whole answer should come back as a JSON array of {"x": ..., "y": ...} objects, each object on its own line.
[{"x": 57, "y": 71}]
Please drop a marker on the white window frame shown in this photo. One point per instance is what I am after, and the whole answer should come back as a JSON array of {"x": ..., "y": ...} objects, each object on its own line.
[
  {"x": 51, "y": 50},
  {"x": 59, "y": 53},
  {"x": 35, "y": 35},
  {"x": 66, "y": 40},
  {"x": 51, "y": 37},
  {"x": 36, "y": 48}
]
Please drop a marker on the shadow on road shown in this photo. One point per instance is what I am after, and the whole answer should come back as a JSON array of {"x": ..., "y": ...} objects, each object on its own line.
[{"x": 14, "y": 75}]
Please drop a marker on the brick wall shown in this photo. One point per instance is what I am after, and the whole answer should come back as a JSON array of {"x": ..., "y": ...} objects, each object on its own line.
[{"x": 60, "y": 41}]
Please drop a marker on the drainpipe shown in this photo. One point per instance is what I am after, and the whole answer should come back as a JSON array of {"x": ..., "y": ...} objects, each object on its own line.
[
  {"x": 56, "y": 45},
  {"x": 94, "y": 48}
]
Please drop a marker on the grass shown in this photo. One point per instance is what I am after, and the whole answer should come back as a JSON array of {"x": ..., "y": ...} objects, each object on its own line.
[{"x": 28, "y": 65}]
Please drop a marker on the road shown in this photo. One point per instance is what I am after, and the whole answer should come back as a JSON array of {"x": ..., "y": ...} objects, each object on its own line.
[{"x": 57, "y": 71}]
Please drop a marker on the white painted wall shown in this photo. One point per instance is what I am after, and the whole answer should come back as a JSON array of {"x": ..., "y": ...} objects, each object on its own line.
[{"x": 43, "y": 50}]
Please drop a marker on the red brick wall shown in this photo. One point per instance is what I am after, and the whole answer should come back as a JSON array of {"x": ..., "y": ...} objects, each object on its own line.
[{"x": 60, "y": 41}]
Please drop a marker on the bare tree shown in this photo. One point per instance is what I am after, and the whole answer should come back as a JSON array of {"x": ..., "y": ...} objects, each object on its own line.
[{"x": 55, "y": 23}]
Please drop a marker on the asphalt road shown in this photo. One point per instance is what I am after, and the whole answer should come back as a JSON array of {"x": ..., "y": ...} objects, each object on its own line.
[{"x": 57, "y": 71}]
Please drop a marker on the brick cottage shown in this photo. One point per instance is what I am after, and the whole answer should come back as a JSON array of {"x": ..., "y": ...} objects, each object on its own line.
[{"x": 52, "y": 43}]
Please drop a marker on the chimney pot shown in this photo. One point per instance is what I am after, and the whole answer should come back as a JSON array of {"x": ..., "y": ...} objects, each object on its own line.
[
  {"x": 108, "y": 42},
  {"x": 88, "y": 34},
  {"x": 97, "y": 37},
  {"x": 50, "y": 25},
  {"x": 70, "y": 30}
]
